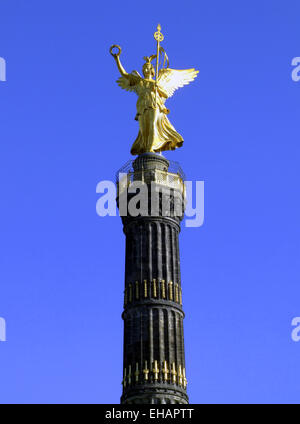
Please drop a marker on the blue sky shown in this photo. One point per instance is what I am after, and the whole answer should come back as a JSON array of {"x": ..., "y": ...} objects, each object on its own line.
[{"x": 65, "y": 125}]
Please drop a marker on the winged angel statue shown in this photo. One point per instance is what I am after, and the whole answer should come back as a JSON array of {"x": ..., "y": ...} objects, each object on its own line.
[{"x": 156, "y": 133}]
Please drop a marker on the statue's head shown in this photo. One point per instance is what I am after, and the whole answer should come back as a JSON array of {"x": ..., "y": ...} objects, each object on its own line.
[{"x": 148, "y": 68}]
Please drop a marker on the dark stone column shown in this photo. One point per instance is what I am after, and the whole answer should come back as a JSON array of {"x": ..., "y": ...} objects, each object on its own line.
[{"x": 154, "y": 362}]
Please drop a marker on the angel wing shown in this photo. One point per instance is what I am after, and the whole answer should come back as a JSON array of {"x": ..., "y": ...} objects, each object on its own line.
[
  {"x": 171, "y": 79},
  {"x": 129, "y": 81}
]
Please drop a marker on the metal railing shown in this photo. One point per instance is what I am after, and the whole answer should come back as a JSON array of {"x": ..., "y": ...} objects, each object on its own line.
[
  {"x": 174, "y": 168},
  {"x": 164, "y": 178}
]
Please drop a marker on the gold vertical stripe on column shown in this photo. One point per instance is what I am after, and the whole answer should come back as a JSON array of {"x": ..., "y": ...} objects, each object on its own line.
[
  {"x": 146, "y": 371},
  {"x": 154, "y": 288},
  {"x": 180, "y": 375},
  {"x": 155, "y": 370},
  {"x": 165, "y": 371},
  {"x": 176, "y": 293},
  {"x": 137, "y": 373},
  {"x": 184, "y": 379},
  {"x": 180, "y": 296},
  {"x": 145, "y": 289},
  {"x": 124, "y": 378},
  {"x": 129, "y": 374},
  {"x": 173, "y": 372},
  {"x": 171, "y": 290},
  {"x": 163, "y": 289}
]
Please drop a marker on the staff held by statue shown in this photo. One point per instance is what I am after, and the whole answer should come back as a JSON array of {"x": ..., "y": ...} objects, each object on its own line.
[{"x": 159, "y": 38}]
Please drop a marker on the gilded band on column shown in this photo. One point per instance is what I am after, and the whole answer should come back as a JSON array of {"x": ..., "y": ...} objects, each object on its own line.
[
  {"x": 173, "y": 292},
  {"x": 172, "y": 374}
]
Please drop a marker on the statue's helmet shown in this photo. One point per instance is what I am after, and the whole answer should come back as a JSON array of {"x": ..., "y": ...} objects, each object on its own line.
[{"x": 148, "y": 64}]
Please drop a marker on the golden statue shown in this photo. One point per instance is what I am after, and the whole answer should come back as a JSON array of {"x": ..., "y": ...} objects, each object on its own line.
[{"x": 156, "y": 133}]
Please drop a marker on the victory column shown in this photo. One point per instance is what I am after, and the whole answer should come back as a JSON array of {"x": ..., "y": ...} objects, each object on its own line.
[{"x": 154, "y": 370}]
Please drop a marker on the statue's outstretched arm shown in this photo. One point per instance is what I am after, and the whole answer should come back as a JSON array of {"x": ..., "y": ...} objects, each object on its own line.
[{"x": 116, "y": 56}]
